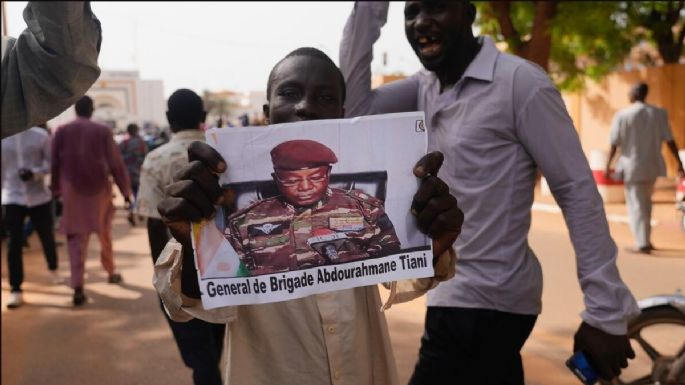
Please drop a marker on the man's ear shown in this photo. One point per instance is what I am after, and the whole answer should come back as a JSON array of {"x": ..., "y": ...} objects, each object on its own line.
[
  {"x": 265, "y": 109},
  {"x": 168, "y": 118}
]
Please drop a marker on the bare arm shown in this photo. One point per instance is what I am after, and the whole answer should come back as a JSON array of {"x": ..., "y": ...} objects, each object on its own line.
[
  {"x": 612, "y": 153},
  {"x": 674, "y": 150}
]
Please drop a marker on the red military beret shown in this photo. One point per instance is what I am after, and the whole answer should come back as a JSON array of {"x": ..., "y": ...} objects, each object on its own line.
[{"x": 299, "y": 154}]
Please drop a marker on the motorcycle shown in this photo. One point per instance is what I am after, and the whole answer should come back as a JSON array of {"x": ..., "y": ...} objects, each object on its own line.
[{"x": 660, "y": 325}]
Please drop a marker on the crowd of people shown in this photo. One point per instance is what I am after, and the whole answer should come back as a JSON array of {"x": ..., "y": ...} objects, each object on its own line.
[{"x": 494, "y": 119}]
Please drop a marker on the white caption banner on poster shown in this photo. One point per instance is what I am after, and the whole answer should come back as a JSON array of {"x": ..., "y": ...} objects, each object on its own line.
[{"x": 318, "y": 206}]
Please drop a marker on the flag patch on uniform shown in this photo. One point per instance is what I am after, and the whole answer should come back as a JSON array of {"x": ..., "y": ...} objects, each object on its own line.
[{"x": 346, "y": 223}]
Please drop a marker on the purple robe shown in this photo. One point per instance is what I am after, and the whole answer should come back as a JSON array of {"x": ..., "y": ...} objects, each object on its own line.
[{"x": 84, "y": 155}]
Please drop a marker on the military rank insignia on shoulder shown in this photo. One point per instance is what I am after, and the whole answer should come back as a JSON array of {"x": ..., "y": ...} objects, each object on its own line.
[{"x": 364, "y": 197}]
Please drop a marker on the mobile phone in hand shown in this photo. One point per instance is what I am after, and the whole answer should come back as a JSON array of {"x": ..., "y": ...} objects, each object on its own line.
[{"x": 580, "y": 366}]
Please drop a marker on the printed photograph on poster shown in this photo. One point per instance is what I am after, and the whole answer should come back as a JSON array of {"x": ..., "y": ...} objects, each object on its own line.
[{"x": 316, "y": 206}]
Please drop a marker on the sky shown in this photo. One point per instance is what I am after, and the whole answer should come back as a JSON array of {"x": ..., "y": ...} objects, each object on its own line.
[{"x": 232, "y": 45}]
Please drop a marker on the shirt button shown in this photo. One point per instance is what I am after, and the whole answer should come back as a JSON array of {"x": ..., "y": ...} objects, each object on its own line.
[
  {"x": 336, "y": 375},
  {"x": 331, "y": 329}
]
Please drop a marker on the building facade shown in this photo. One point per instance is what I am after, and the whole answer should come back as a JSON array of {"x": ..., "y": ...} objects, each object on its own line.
[{"x": 120, "y": 98}]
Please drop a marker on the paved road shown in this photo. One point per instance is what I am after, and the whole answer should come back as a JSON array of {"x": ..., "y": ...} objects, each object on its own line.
[{"x": 121, "y": 338}]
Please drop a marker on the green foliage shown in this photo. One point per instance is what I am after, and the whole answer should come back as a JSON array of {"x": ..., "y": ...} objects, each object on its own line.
[{"x": 588, "y": 39}]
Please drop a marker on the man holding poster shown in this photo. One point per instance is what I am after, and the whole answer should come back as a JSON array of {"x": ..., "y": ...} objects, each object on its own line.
[
  {"x": 309, "y": 224},
  {"x": 329, "y": 338}
]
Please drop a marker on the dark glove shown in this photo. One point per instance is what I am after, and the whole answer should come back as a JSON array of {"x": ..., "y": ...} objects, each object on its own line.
[
  {"x": 194, "y": 193},
  {"x": 25, "y": 174},
  {"x": 435, "y": 208},
  {"x": 606, "y": 353}
]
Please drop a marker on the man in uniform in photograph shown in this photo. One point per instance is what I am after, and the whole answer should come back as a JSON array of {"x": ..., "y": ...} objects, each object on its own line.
[{"x": 309, "y": 223}]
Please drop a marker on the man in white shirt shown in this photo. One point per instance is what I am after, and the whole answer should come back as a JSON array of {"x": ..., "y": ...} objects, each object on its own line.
[
  {"x": 496, "y": 118},
  {"x": 25, "y": 163},
  {"x": 639, "y": 130}
]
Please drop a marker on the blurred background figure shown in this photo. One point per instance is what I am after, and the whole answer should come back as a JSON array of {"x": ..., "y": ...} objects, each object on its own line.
[
  {"x": 244, "y": 120},
  {"x": 84, "y": 157},
  {"x": 133, "y": 150},
  {"x": 200, "y": 342},
  {"x": 638, "y": 131},
  {"x": 25, "y": 163},
  {"x": 50, "y": 65}
]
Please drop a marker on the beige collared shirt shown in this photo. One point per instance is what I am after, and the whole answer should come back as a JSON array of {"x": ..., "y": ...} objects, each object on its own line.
[
  {"x": 158, "y": 170},
  {"x": 333, "y": 338}
]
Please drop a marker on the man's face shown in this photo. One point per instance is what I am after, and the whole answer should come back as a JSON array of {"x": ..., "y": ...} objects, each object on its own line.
[
  {"x": 437, "y": 31},
  {"x": 303, "y": 187},
  {"x": 304, "y": 88}
]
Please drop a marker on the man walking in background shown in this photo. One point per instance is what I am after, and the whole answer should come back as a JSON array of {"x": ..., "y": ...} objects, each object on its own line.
[
  {"x": 638, "y": 131},
  {"x": 199, "y": 342},
  {"x": 25, "y": 163},
  {"x": 133, "y": 150},
  {"x": 84, "y": 156}
]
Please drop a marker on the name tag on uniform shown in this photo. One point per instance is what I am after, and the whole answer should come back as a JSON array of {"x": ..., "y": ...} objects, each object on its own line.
[
  {"x": 346, "y": 223},
  {"x": 269, "y": 228}
]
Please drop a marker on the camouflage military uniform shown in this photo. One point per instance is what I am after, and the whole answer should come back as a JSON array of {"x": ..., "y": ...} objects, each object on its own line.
[{"x": 272, "y": 235}]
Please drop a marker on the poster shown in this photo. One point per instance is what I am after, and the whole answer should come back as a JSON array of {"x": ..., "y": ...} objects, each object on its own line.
[{"x": 319, "y": 206}]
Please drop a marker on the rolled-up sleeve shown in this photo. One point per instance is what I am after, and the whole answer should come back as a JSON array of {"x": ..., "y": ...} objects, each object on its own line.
[
  {"x": 50, "y": 65},
  {"x": 547, "y": 132},
  {"x": 167, "y": 282}
]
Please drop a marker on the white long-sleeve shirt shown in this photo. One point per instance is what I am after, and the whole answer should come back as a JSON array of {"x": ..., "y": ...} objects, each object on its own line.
[
  {"x": 502, "y": 120},
  {"x": 31, "y": 150}
]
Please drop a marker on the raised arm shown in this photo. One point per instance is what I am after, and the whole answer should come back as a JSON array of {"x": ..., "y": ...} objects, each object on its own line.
[
  {"x": 50, "y": 65},
  {"x": 362, "y": 30}
]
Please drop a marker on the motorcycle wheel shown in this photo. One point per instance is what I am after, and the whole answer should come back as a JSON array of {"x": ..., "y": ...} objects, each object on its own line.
[{"x": 660, "y": 363}]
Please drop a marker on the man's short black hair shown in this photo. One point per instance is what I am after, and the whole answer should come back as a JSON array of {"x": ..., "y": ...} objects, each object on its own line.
[
  {"x": 84, "y": 107},
  {"x": 309, "y": 52},
  {"x": 185, "y": 109},
  {"x": 639, "y": 91},
  {"x": 132, "y": 129}
]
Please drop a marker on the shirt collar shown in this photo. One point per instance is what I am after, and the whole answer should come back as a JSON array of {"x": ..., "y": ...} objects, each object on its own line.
[
  {"x": 188, "y": 134},
  {"x": 482, "y": 67}
]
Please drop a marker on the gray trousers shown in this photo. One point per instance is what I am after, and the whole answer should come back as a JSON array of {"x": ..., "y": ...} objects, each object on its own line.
[{"x": 639, "y": 204}]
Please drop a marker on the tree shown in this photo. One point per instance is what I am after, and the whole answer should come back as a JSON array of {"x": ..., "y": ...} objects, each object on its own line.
[
  {"x": 572, "y": 40},
  {"x": 568, "y": 39},
  {"x": 662, "y": 22}
]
